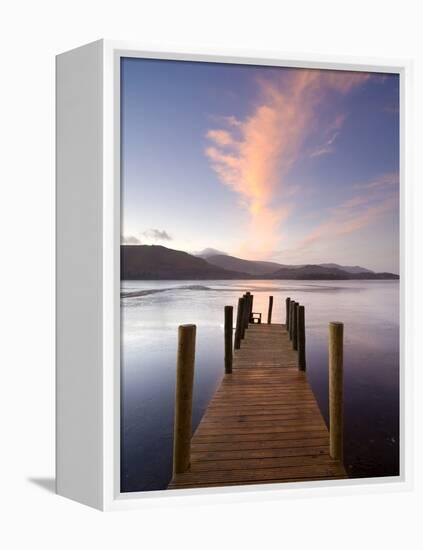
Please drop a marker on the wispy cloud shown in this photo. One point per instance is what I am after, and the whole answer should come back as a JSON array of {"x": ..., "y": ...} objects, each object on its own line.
[
  {"x": 220, "y": 137},
  {"x": 254, "y": 155},
  {"x": 326, "y": 148},
  {"x": 130, "y": 239},
  {"x": 232, "y": 121},
  {"x": 359, "y": 211},
  {"x": 384, "y": 181},
  {"x": 332, "y": 132},
  {"x": 157, "y": 235}
]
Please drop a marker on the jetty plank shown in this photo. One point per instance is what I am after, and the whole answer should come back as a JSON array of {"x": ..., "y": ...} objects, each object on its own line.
[{"x": 263, "y": 424}]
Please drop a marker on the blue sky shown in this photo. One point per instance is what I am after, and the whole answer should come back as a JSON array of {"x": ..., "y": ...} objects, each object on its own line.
[{"x": 289, "y": 165}]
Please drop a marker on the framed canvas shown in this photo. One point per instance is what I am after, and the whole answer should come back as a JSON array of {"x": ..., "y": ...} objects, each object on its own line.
[{"x": 232, "y": 275}]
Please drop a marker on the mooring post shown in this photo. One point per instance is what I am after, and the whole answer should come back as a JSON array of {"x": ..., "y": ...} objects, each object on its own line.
[
  {"x": 244, "y": 310},
  {"x": 250, "y": 312},
  {"x": 228, "y": 338},
  {"x": 291, "y": 318},
  {"x": 301, "y": 338},
  {"x": 295, "y": 327},
  {"x": 269, "y": 313},
  {"x": 336, "y": 390},
  {"x": 287, "y": 313},
  {"x": 245, "y": 314},
  {"x": 183, "y": 398},
  {"x": 247, "y": 309},
  {"x": 239, "y": 319}
]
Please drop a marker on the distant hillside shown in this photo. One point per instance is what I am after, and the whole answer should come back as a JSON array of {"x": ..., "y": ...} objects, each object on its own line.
[
  {"x": 319, "y": 272},
  {"x": 246, "y": 266},
  {"x": 266, "y": 268},
  {"x": 309, "y": 272},
  {"x": 207, "y": 252},
  {"x": 158, "y": 262},
  {"x": 349, "y": 268}
]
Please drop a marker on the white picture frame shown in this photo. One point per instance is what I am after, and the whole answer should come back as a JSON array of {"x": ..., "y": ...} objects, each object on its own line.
[{"x": 88, "y": 277}]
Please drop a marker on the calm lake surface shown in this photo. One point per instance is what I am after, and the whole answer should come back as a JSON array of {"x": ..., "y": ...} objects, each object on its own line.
[{"x": 369, "y": 310}]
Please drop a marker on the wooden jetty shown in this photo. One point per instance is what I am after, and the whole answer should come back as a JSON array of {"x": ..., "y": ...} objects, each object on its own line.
[{"x": 263, "y": 424}]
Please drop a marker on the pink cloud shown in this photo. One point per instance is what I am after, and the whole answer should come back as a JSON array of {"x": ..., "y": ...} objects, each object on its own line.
[
  {"x": 232, "y": 121},
  {"x": 253, "y": 156},
  {"x": 339, "y": 225},
  {"x": 353, "y": 214},
  {"x": 354, "y": 202},
  {"x": 382, "y": 181},
  {"x": 220, "y": 137}
]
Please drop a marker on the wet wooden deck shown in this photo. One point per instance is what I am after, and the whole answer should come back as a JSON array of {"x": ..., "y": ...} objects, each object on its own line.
[{"x": 263, "y": 424}]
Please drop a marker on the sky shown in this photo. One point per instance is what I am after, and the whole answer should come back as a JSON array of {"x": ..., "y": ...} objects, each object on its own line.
[{"x": 290, "y": 165}]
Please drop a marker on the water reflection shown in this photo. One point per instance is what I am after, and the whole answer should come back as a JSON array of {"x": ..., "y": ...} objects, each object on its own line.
[{"x": 151, "y": 314}]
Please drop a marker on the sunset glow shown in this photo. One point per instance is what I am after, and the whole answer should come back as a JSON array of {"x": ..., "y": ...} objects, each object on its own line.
[{"x": 291, "y": 165}]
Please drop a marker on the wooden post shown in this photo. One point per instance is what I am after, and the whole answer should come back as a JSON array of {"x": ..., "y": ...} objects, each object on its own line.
[
  {"x": 295, "y": 327},
  {"x": 183, "y": 398},
  {"x": 244, "y": 307},
  {"x": 228, "y": 338},
  {"x": 287, "y": 314},
  {"x": 250, "y": 316},
  {"x": 247, "y": 309},
  {"x": 269, "y": 313},
  {"x": 239, "y": 318},
  {"x": 336, "y": 382},
  {"x": 301, "y": 338},
  {"x": 244, "y": 316},
  {"x": 291, "y": 318}
]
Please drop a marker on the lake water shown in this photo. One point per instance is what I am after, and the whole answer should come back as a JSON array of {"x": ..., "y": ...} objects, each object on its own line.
[{"x": 150, "y": 317}]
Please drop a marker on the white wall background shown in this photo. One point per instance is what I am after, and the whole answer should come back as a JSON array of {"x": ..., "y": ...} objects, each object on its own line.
[{"x": 31, "y": 33}]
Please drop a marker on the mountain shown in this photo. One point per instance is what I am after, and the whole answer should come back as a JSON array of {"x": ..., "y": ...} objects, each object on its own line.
[
  {"x": 266, "y": 268},
  {"x": 246, "y": 266},
  {"x": 207, "y": 252},
  {"x": 304, "y": 272},
  {"x": 158, "y": 262},
  {"x": 349, "y": 268},
  {"x": 320, "y": 272}
]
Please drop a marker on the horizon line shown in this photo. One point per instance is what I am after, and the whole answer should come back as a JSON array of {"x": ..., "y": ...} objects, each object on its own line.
[{"x": 221, "y": 253}]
